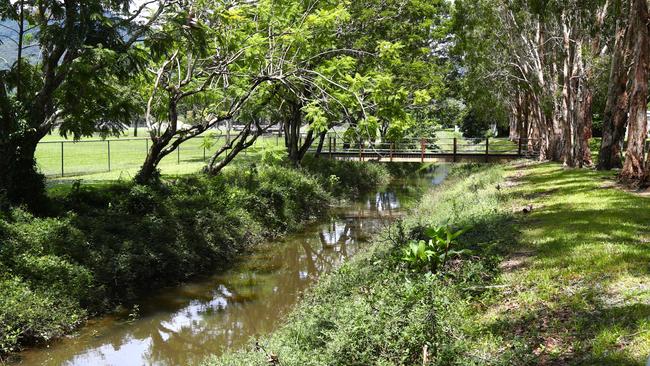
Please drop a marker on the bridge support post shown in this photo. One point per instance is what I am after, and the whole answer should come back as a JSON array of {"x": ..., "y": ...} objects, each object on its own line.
[
  {"x": 422, "y": 146},
  {"x": 487, "y": 149},
  {"x": 455, "y": 149},
  {"x": 330, "y": 146}
]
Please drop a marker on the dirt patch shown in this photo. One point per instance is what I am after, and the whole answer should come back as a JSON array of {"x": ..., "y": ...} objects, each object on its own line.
[
  {"x": 538, "y": 195},
  {"x": 614, "y": 184},
  {"x": 511, "y": 183},
  {"x": 513, "y": 180},
  {"x": 516, "y": 261},
  {"x": 524, "y": 164}
]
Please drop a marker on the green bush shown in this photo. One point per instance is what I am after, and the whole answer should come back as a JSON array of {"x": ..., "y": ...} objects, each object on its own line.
[
  {"x": 434, "y": 251},
  {"x": 28, "y": 316},
  {"x": 356, "y": 177}
]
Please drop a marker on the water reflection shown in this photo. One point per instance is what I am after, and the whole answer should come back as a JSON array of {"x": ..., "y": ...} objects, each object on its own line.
[{"x": 183, "y": 325}]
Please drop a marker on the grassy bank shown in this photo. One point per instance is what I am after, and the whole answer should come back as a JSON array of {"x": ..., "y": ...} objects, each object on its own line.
[
  {"x": 377, "y": 310},
  {"x": 105, "y": 245},
  {"x": 566, "y": 284}
]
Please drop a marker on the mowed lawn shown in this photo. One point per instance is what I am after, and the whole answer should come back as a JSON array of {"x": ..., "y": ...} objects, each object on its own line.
[
  {"x": 578, "y": 290},
  {"x": 88, "y": 158}
]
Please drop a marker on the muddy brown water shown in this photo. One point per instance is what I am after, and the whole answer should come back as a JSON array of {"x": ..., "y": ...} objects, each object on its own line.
[{"x": 185, "y": 324}]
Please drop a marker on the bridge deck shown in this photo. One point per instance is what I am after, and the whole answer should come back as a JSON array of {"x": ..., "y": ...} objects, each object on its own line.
[
  {"x": 426, "y": 158},
  {"x": 432, "y": 150}
]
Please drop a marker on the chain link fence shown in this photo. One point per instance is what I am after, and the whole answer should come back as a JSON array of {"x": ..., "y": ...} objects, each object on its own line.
[{"x": 67, "y": 158}]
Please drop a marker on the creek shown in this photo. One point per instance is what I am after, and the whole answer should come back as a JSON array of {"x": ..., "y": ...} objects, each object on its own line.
[{"x": 184, "y": 324}]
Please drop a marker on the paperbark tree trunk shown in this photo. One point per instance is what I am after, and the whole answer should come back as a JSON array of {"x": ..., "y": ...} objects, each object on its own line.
[
  {"x": 610, "y": 155},
  {"x": 587, "y": 115},
  {"x": 633, "y": 168}
]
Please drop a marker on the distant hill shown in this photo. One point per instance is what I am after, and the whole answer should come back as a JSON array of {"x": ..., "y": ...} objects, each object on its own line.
[{"x": 8, "y": 49}]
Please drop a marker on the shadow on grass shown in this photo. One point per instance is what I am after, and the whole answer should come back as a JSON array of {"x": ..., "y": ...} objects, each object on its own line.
[
  {"x": 574, "y": 304},
  {"x": 571, "y": 330}
]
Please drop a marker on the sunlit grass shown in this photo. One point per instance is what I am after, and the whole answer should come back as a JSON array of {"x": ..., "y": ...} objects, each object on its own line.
[{"x": 582, "y": 292}]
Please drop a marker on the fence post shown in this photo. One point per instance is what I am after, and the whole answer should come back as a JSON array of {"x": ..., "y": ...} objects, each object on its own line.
[
  {"x": 422, "y": 146},
  {"x": 519, "y": 147},
  {"x": 62, "y": 158},
  {"x": 108, "y": 148},
  {"x": 203, "y": 153},
  {"x": 455, "y": 149},
  {"x": 487, "y": 149},
  {"x": 178, "y": 155},
  {"x": 392, "y": 148}
]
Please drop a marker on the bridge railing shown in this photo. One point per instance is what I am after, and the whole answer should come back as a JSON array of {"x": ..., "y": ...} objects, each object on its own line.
[{"x": 428, "y": 148}]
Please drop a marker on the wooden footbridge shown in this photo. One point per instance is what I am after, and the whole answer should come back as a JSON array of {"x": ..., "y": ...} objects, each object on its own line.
[{"x": 480, "y": 150}]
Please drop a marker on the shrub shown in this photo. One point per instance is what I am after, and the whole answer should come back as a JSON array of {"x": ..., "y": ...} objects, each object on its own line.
[
  {"x": 434, "y": 251},
  {"x": 28, "y": 316},
  {"x": 357, "y": 177}
]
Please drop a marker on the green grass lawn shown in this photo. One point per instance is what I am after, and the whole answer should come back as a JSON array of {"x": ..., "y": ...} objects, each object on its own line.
[
  {"x": 88, "y": 158},
  {"x": 577, "y": 291}
]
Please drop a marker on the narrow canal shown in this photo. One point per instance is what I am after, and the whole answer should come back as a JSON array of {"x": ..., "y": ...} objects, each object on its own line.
[{"x": 183, "y": 325}]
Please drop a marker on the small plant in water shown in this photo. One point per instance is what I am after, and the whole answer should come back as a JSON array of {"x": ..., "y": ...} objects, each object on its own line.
[
  {"x": 432, "y": 254},
  {"x": 134, "y": 314}
]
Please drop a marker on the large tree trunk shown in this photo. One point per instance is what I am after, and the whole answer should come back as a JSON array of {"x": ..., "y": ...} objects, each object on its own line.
[
  {"x": 296, "y": 146},
  {"x": 615, "y": 116},
  {"x": 159, "y": 145},
  {"x": 321, "y": 142},
  {"x": 582, "y": 110},
  {"x": 568, "y": 119},
  {"x": 587, "y": 118},
  {"x": 633, "y": 168},
  {"x": 516, "y": 118},
  {"x": 149, "y": 169},
  {"x": 20, "y": 183}
]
